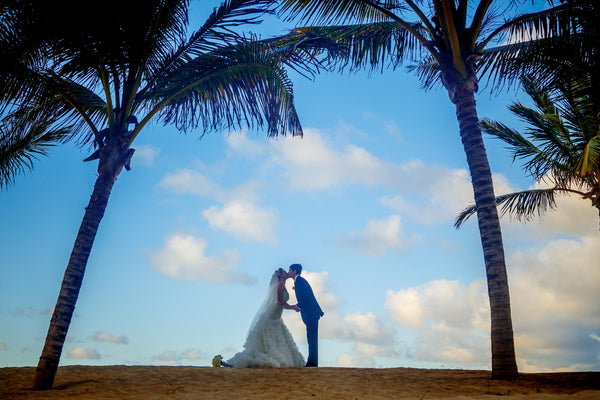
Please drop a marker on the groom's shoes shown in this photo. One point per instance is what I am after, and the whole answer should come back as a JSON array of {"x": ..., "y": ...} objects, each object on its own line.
[{"x": 311, "y": 365}]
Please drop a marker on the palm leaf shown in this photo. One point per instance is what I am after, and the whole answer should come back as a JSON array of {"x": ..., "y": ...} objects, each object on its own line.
[
  {"x": 325, "y": 12},
  {"x": 588, "y": 162},
  {"x": 306, "y": 51},
  {"x": 220, "y": 24},
  {"x": 428, "y": 71},
  {"x": 552, "y": 45},
  {"x": 538, "y": 162},
  {"x": 241, "y": 84},
  {"x": 214, "y": 33},
  {"x": 19, "y": 149},
  {"x": 523, "y": 206},
  {"x": 362, "y": 46},
  {"x": 63, "y": 102},
  {"x": 21, "y": 53}
]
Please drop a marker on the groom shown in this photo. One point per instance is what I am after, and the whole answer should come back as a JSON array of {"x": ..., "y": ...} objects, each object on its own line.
[{"x": 310, "y": 312}]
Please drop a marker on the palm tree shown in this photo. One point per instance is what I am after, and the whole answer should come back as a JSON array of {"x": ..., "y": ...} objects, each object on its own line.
[
  {"x": 447, "y": 44},
  {"x": 562, "y": 143},
  {"x": 561, "y": 147},
  {"x": 106, "y": 74}
]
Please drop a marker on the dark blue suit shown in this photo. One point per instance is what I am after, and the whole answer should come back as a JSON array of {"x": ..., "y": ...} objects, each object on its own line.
[{"x": 310, "y": 312}]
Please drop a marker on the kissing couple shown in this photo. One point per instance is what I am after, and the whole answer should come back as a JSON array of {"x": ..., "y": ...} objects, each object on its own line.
[{"x": 269, "y": 343}]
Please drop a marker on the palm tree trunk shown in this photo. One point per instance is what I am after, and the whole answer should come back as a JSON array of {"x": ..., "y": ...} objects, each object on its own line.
[
  {"x": 504, "y": 364},
  {"x": 73, "y": 278}
]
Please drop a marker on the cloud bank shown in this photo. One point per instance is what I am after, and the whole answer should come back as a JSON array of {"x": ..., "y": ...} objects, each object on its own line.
[
  {"x": 184, "y": 257},
  {"x": 109, "y": 338}
]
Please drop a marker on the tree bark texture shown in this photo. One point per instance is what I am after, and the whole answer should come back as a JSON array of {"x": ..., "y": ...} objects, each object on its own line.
[
  {"x": 71, "y": 284},
  {"x": 503, "y": 349},
  {"x": 112, "y": 157}
]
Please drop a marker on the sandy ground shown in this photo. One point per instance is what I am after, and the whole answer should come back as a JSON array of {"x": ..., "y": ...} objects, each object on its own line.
[{"x": 142, "y": 382}]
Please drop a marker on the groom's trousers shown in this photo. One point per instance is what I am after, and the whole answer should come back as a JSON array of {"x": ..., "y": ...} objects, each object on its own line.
[{"x": 312, "y": 335}]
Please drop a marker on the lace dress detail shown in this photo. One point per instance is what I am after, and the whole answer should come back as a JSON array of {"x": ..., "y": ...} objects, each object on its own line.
[{"x": 269, "y": 343}]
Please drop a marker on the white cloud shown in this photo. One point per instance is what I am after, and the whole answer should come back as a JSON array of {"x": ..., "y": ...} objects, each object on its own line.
[
  {"x": 446, "y": 193},
  {"x": 366, "y": 328},
  {"x": 556, "y": 307},
  {"x": 192, "y": 354},
  {"x": 167, "y": 358},
  {"x": 107, "y": 337},
  {"x": 244, "y": 220},
  {"x": 369, "y": 334},
  {"x": 239, "y": 143},
  {"x": 324, "y": 292},
  {"x": 429, "y": 193},
  {"x": 184, "y": 257},
  {"x": 573, "y": 216},
  {"x": 555, "y": 310},
  {"x": 436, "y": 194},
  {"x": 378, "y": 237},
  {"x": 349, "y": 360},
  {"x": 187, "y": 181},
  {"x": 312, "y": 163},
  {"x": 239, "y": 213},
  {"x": 84, "y": 354},
  {"x": 145, "y": 155},
  {"x": 452, "y": 320},
  {"x": 442, "y": 195},
  {"x": 173, "y": 358}
]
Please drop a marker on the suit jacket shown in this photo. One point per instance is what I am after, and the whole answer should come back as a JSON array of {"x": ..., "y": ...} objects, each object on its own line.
[{"x": 309, "y": 308}]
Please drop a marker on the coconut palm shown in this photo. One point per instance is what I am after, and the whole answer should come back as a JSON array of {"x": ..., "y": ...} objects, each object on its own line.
[
  {"x": 445, "y": 45},
  {"x": 103, "y": 77},
  {"x": 561, "y": 147},
  {"x": 561, "y": 143}
]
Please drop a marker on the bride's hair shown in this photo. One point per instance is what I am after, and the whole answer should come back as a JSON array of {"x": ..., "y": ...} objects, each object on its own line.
[{"x": 277, "y": 275}]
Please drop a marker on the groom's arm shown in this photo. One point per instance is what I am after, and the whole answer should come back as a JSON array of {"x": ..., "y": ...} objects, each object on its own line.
[{"x": 310, "y": 296}]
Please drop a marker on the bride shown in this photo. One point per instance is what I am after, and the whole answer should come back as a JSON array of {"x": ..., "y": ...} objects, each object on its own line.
[{"x": 269, "y": 342}]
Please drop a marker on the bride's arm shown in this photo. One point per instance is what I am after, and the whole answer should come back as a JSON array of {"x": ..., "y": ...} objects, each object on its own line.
[{"x": 281, "y": 300}]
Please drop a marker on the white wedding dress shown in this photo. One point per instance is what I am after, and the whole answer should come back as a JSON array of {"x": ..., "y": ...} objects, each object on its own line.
[{"x": 269, "y": 343}]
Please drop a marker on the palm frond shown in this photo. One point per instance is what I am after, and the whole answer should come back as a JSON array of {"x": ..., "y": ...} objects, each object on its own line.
[
  {"x": 241, "y": 84},
  {"x": 520, "y": 146},
  {"x": 218, "y": 30},
  {"x": 306, "y": 51},
  {"x": 325, "y": 12},
  {"x": 219, "y": 27},
  {"x": 552, "y": 44},
  {"x": 355, "y": 47},
  {"x": 559, "y": 130},
  {"x": 63, "y": 102},
  {"x": 428, "y": 71},
  {"x": 20, "y": 148},
  {"x": 21, "y": 46},
  {"x": 523, "y": 206},
  {"x": 588, "y": 162}
]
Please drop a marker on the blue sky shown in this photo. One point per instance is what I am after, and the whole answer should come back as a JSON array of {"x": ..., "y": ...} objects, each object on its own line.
[{"x": 365, "y": 201}]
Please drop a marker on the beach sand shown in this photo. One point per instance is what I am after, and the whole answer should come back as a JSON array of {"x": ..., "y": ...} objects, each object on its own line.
[{"x": 146, "y": 382}]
